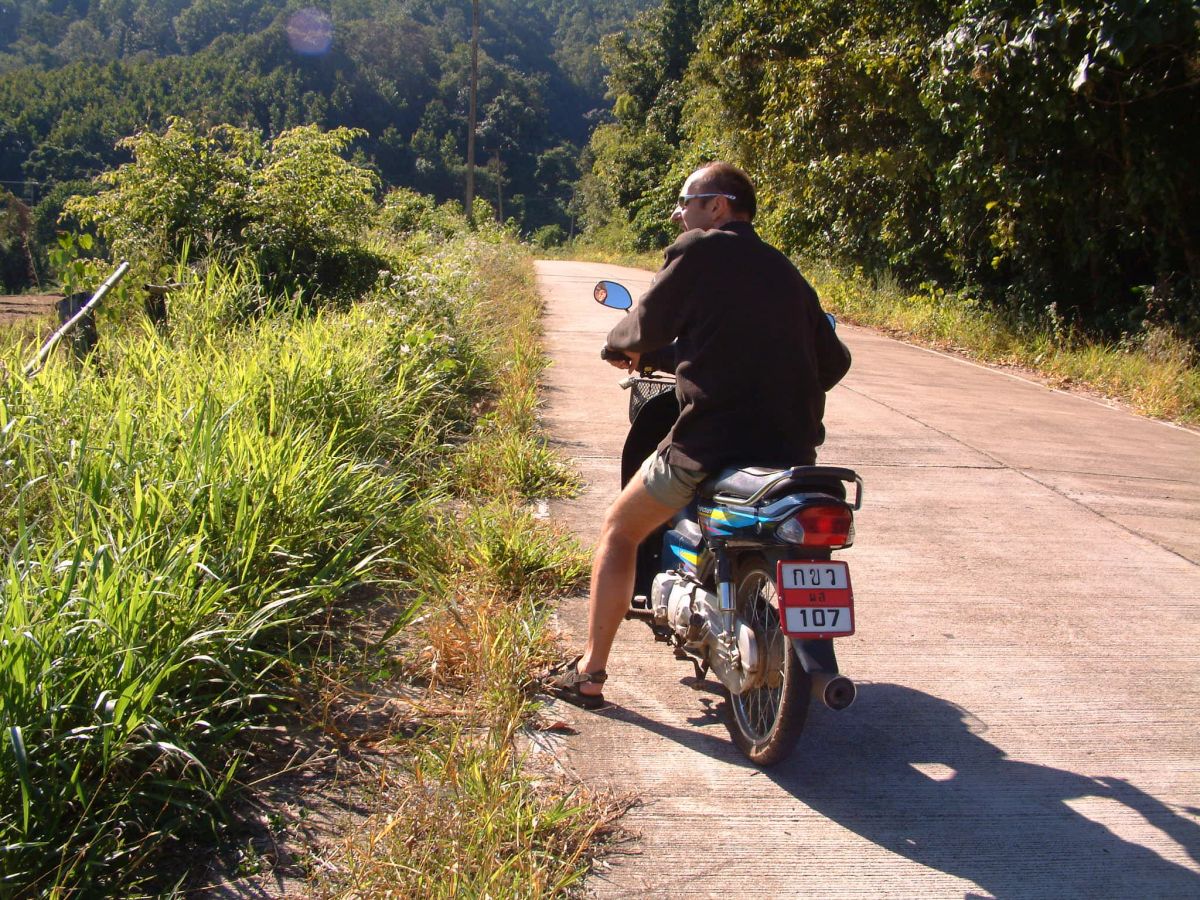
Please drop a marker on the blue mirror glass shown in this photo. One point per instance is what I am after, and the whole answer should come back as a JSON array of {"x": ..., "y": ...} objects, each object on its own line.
[{"x": 612, "y": 295}]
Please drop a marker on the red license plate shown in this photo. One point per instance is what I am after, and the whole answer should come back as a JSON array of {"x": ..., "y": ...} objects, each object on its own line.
[{"x": 815, "y": 598}]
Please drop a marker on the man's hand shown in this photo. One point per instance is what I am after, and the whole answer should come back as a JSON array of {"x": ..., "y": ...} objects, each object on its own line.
[{"x": 626, "y": 360}]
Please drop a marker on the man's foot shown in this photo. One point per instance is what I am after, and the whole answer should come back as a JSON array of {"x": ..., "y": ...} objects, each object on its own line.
[{"x": 565, "y": 681}]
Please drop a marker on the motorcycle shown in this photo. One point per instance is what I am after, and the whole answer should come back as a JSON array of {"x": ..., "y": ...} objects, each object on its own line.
[{"x": 742, "y": 582}]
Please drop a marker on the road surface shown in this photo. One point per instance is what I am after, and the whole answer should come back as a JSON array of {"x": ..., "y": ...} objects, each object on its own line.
[{"x": 1027, "y": 582}]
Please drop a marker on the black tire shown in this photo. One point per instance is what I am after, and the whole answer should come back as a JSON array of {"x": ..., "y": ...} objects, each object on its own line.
[{"x": 765, "y": 722}]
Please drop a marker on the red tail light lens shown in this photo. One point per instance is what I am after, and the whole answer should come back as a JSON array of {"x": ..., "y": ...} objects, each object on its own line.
[{"x": 819, "y": 526}]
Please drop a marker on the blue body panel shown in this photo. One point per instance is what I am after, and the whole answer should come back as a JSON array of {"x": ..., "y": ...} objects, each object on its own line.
[{"x": 723, "y": 522}]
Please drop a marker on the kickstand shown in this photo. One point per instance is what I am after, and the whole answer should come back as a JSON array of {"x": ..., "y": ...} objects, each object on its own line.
[{"x": 700, "y": 666}]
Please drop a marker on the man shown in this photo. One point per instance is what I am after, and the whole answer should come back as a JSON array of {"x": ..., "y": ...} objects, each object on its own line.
[{"x": 753, "y": 355}]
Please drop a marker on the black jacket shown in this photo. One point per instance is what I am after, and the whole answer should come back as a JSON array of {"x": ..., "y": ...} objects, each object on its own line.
[{"x": 752, "y": 351}]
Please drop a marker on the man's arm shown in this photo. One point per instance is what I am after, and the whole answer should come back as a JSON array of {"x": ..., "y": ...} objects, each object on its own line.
[
  {"x": 833, "y": 357},
  {"x": 656, "y": 321}
]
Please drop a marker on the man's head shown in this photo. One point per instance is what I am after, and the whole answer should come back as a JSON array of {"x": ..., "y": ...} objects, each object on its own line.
[{"x": 714, "y": 194}]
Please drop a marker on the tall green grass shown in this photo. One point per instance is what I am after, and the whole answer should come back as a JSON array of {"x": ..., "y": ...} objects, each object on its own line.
[
  {"x": 169, "y": 521},
  {"x": 181, "y": 516}
]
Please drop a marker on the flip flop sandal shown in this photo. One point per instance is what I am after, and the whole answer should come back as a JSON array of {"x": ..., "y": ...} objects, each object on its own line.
[{"x": 563, "y": 682}]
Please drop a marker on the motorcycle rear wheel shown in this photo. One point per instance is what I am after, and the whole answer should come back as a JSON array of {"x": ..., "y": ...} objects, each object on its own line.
[{"x": 765, "y": 722}]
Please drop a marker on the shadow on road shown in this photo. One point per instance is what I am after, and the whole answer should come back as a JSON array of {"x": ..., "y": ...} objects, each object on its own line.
[{"x": 915, "y": 775}]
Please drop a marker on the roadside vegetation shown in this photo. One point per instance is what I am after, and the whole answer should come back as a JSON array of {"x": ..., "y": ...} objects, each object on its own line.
[
  {"x": 1156, "y": 372},
  {"x": 295, "y": 489}
]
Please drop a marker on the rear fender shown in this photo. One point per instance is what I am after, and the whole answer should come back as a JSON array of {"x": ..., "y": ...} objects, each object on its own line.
[{"x": 817, "y": 657}]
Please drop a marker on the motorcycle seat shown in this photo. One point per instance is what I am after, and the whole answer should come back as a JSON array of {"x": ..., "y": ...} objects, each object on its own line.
[{"x": 733, "y": 485}]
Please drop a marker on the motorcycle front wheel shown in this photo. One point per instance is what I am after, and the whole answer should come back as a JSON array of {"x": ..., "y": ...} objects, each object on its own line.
[{"x": 765, "y": 721}]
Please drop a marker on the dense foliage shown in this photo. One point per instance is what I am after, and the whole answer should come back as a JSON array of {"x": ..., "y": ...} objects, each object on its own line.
[
  {"x": 77, "y": 77},
  {"x": 293, "y": 205},
  {"x": 1071, "y": 135},
  {"x": 1037, "y": 154}
]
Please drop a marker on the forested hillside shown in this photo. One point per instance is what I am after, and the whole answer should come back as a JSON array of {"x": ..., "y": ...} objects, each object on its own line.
[
  {"x": 76, "y": 76},
  {"x": 1039, "y": 156},
  {"x": 1034, "y": 156}
]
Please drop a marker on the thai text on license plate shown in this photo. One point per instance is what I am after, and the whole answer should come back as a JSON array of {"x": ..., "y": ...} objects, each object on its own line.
[{"x": 815, "y": 598}]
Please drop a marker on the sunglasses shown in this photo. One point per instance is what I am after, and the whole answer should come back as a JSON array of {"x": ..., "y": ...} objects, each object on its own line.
[{"x": 685, "y": 199}]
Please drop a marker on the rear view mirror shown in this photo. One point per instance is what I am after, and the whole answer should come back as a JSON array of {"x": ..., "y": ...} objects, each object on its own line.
[{"x": 612, "y": 295}]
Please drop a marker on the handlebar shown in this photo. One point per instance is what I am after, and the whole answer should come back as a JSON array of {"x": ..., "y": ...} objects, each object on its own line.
[{"x": 608, "y": 354}]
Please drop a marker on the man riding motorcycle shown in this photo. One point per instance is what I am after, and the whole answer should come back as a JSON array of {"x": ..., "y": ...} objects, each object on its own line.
[{"x": 753, "y": 354}]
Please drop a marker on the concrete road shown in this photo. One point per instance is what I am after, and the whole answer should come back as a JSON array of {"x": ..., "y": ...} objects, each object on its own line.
[{"x": 1027, "y": 578}]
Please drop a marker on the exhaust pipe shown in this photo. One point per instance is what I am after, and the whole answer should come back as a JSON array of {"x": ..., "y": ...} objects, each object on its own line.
[{"x": 836, "y": 691}]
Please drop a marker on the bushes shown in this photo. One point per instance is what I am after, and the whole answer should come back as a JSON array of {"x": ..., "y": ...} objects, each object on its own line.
[
  {"x": 1155, "y": 371},
  {"x": 293, "y": 204}
]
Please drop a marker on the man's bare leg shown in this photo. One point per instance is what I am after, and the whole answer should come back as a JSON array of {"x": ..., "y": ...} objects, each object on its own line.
[{"x": 628, "y": 522}]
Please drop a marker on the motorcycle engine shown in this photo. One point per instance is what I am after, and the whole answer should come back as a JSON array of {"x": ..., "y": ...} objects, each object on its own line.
[
  {"x": 674, "y": 600},
  {"x": 695, "y": 616}
]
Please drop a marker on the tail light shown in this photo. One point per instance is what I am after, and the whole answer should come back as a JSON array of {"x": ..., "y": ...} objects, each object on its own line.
[{"x": 819, "y": 526}]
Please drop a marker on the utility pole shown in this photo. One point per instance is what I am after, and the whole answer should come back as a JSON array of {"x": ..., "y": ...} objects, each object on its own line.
[
  {"x": 499, "y": 188},
  {"x": 471, "y": 116}
]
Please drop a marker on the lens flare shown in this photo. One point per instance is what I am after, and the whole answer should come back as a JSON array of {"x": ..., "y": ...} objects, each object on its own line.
[{"x": 310, "y": 32}]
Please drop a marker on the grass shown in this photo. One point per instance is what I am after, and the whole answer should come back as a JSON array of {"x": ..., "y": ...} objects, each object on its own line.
[
  {"x": 167, "y": 529},
  {"x": 465, "y": 816},
  {"x": 180, "y": 522},
  {"x": 507, "y": 453},
  {"x": 466, "y": 822},
  {"x": 1155, "y": 372}
]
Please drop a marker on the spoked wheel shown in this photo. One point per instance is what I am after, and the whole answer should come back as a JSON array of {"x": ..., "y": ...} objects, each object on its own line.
[{"x": 765, "y": 721}]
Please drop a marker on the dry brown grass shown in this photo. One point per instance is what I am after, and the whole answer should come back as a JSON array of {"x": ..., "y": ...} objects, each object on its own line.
[
  {"x": 463, "y": 814},
  {"x": 1155, "y": 372}
]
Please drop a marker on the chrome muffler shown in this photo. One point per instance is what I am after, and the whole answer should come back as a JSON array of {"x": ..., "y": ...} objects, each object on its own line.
[{"x": 836, "y": 691}]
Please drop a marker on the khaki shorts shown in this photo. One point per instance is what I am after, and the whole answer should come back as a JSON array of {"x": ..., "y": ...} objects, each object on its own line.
[{"x": 670, "y": 485}]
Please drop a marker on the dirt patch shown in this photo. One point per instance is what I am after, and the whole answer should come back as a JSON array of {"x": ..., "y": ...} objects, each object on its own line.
[{"x": 15, "y": 307}]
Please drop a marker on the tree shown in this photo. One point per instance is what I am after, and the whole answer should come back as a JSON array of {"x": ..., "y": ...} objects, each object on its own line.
[
  {"x": 15, "y": 271},
  {"x": 305, "y": 199},
  {"x": 829, "y": 94},
  {"x": 1089, "y": 203},
  {"x": 397, "y": 70},
  {"x": 1035, "y": 154},
  {"x": 294, "y": 205},
  {"x": 638, "y": 160}
]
